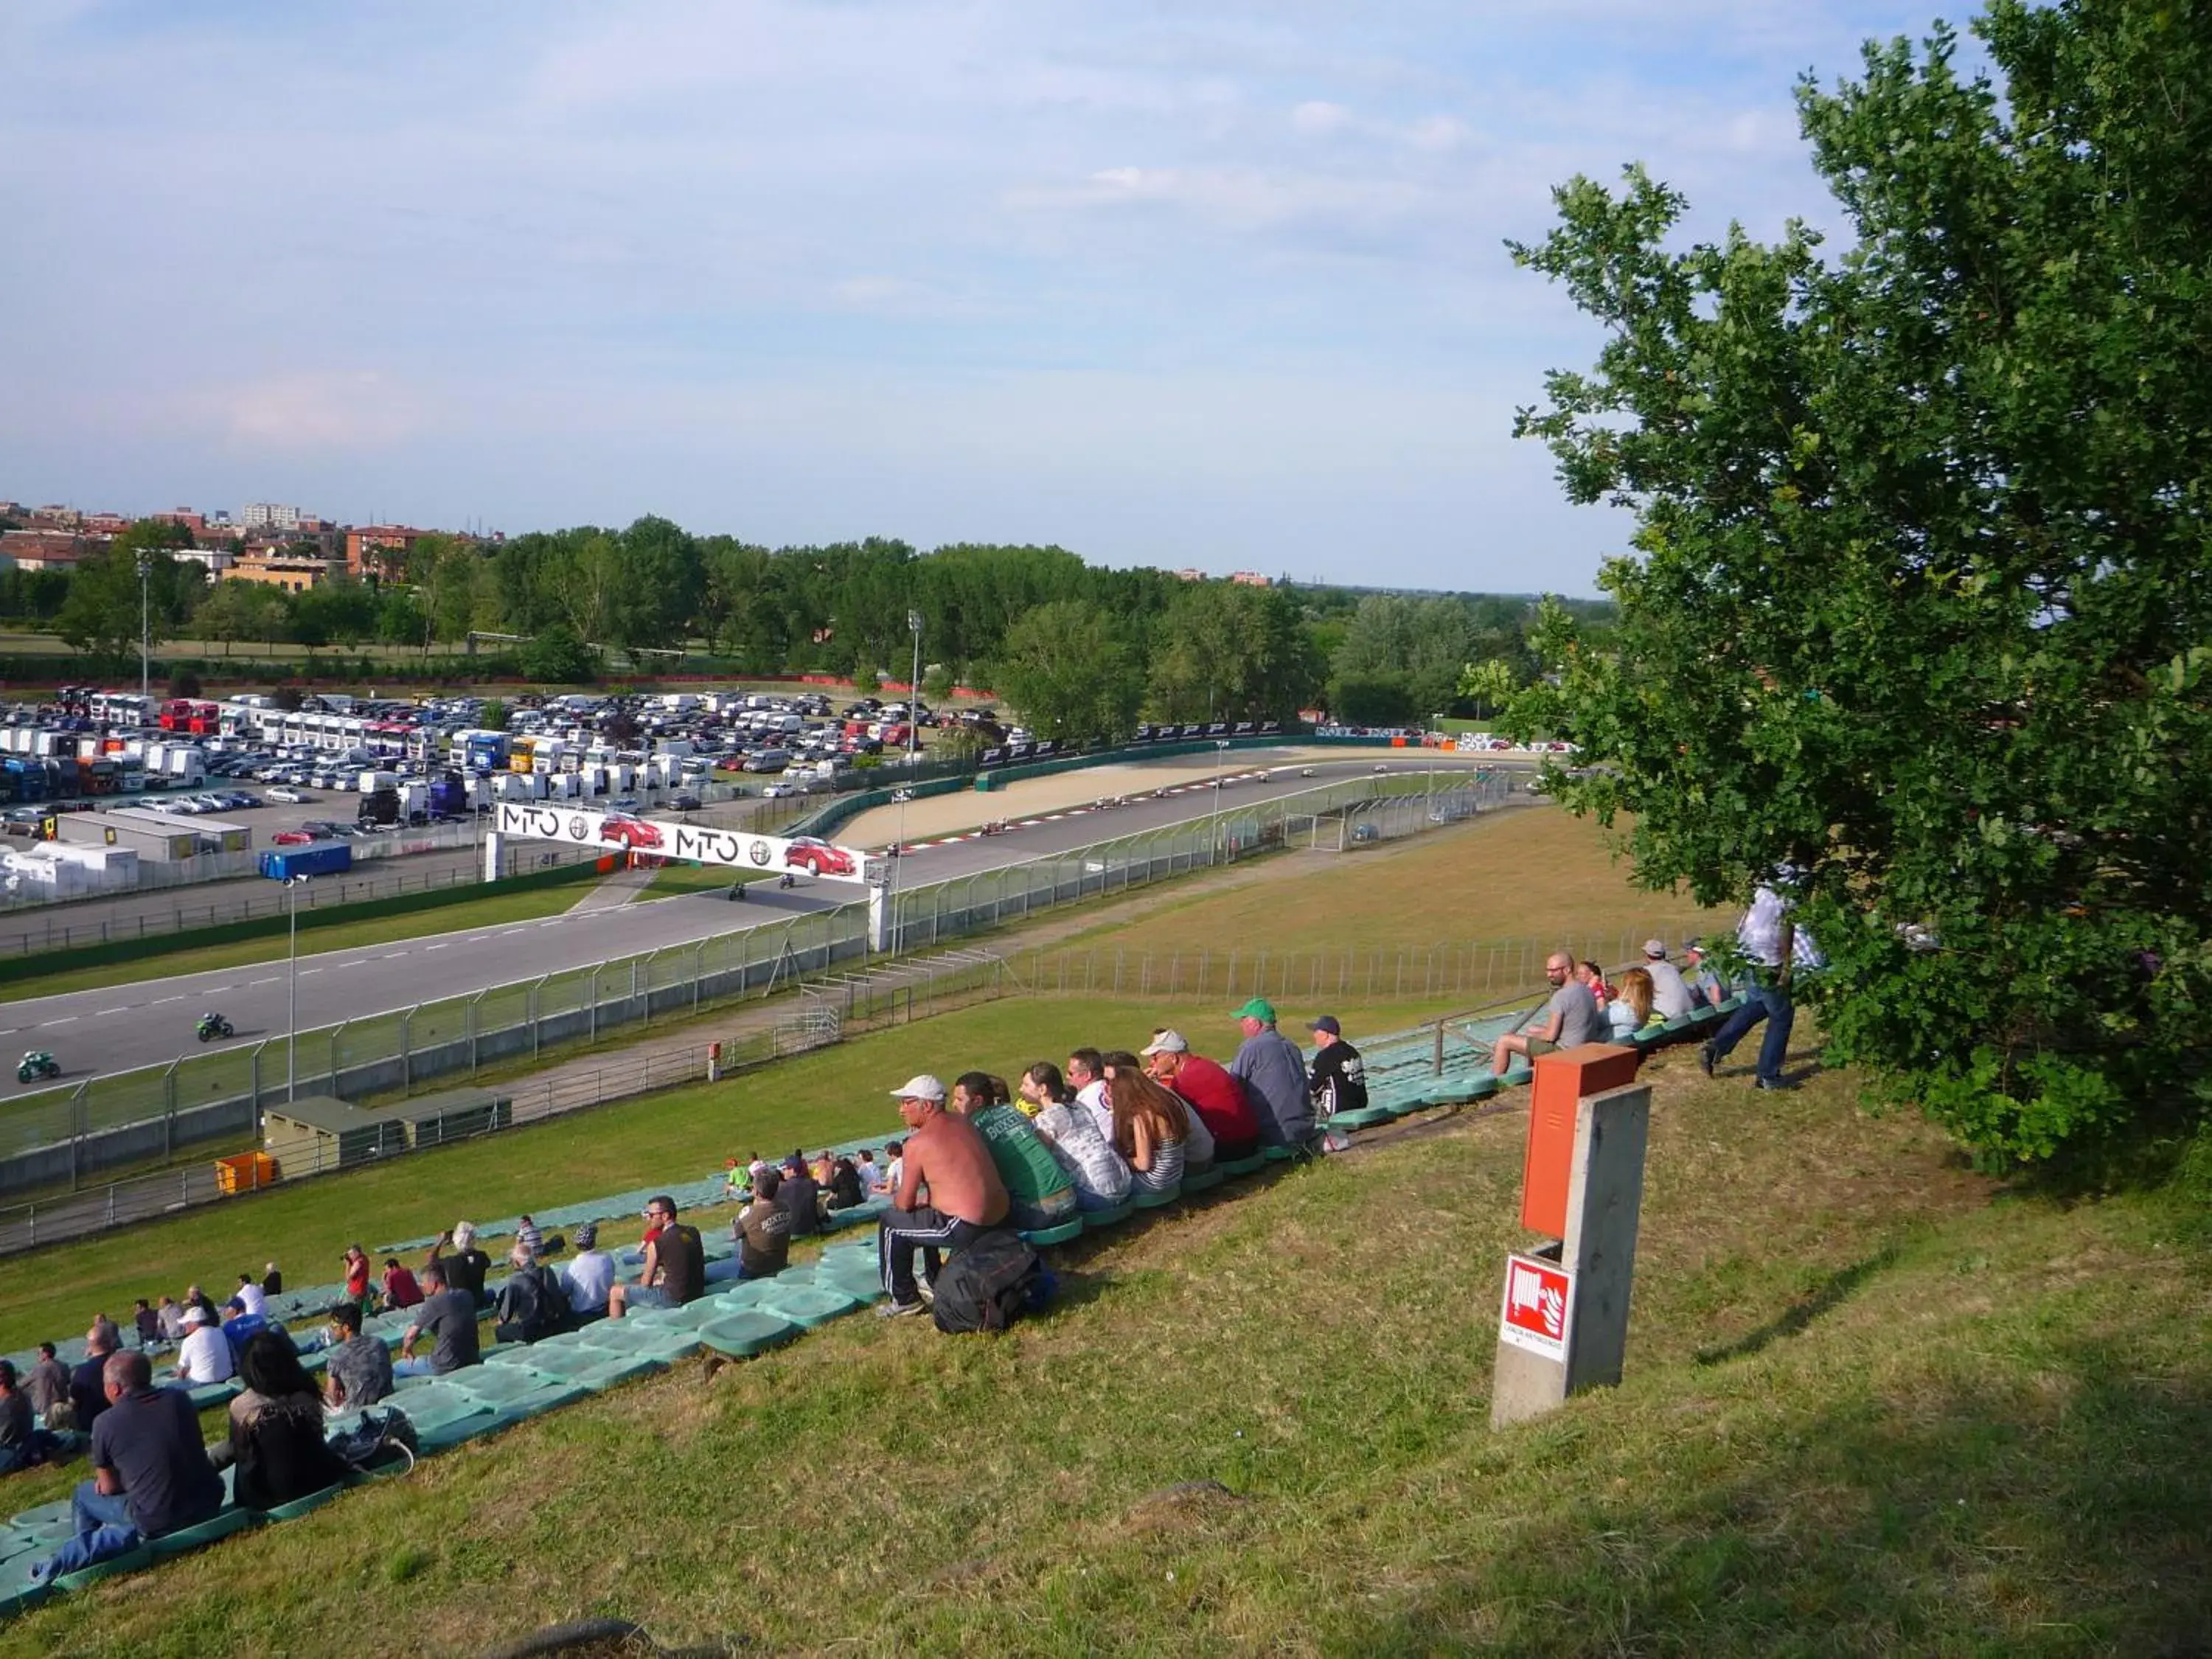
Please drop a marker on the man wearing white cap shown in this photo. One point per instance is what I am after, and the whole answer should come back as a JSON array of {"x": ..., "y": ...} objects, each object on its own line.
[
  {"x": 946, "y": 1154},
  {"x": 204, "y": 1356},
  {"x": 1670, "y": 993}
]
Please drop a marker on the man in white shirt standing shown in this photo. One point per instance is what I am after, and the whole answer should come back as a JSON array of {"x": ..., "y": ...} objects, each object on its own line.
[{"x": 1774, "y": 945}]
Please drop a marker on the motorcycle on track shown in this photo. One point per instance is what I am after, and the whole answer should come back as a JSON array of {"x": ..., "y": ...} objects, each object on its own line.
[
  {"x": 211, "y": 1027},
  {"x": 36, "y": 1064}
]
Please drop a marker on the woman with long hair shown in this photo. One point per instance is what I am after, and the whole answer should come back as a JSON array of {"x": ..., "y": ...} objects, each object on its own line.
[
  {"x": 277, "y": 1428},
  {"x": 1100, "y": 1174},
  {"x": 1630, "y": 1010},
  {"x": 1150, "y": 1125}
]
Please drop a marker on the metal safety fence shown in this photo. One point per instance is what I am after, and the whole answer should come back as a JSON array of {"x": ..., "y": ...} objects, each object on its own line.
[{"x": 59, "y": 1141}]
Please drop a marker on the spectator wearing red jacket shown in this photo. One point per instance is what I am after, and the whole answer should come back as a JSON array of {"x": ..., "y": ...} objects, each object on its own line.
[{"x": 1208, "y": 1090}]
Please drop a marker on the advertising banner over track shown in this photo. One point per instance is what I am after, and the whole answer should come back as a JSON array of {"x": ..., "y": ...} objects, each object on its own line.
[{"x": 665, "y": 838}]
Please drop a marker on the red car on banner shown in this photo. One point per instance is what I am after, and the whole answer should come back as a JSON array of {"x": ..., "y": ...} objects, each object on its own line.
[
  {"x": 632, "y": 833},
  {"x": 818, "y": 857}
]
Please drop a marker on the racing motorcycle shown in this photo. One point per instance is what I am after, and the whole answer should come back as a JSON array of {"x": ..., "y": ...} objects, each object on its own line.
[
  {"x": 212, "y": 1026},
  {"x": 36, "y": 1064}
]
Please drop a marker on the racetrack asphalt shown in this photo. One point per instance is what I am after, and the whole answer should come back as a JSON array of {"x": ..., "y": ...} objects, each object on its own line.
[{"x": 126, "y": 1026}]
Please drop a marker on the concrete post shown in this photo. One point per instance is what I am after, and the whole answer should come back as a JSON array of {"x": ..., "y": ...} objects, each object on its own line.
[
  {"x": 494, "y": 845},
  {"x": 1563, "y": 1321}
]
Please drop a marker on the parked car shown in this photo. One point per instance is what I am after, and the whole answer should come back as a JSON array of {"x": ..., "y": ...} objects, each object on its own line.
[
  {"x": 817, "y": 857},
  {"x": 289, "y": 796},
  {"x": 291, "y": 838},
  {"x": 687, "y": 803}
]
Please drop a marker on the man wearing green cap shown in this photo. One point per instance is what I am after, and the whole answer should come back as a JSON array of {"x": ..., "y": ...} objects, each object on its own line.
[{"x": 1274, "y": 1073}]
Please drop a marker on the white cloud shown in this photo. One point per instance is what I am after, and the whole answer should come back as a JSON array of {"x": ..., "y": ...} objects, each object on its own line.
[{"x": 1319, "y": 118}]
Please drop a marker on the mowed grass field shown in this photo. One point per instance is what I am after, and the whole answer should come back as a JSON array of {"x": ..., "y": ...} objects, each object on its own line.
[
  {"x": 1873, "y": 1405},
  {"x": 1532, "y": 872}
]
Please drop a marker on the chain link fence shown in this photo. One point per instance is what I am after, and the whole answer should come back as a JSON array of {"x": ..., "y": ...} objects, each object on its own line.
[{"x": 57, "y": 1140}]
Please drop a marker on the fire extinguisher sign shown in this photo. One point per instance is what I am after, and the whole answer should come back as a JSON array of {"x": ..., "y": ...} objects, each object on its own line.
[{"x": 1539, "y": 1299}]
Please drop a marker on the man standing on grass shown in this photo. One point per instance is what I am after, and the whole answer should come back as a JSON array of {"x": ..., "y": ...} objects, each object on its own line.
[
  {"x": 1274, "y": 1073},
  {"x": 1776, "y": 947},
  {"x": 946, "y": 1154},
  {"x": 1569, "y": 1020}
]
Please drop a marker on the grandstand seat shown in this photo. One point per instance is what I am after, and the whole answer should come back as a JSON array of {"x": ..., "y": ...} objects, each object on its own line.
[
  {"x": 226, "y": 1521},
  {"x": 1093, "y": 1219},
  {"x": 1275, "y": 1154},
  {"x": 1243, "y": 1166},
  {"x": 1041, "y": 1236},
  {"x": 867, "y": 1210},
  {"x": 299, "y": 1506},
  {"x": 807, "y": 1305},
  {"x": 747, "y": 1331},
  {"x": 1193, "y": 1181},
  {"x": 1145, "y": 1198},
  {"x": 495, "y": 1385}
]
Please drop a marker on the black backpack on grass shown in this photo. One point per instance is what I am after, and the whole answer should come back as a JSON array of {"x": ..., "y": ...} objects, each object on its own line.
[{"x": 987, "y": 1284}]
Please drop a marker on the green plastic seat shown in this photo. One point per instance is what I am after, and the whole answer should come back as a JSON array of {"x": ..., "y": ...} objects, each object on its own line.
[
  {"x": 548, "y": 1396},
  {"x": 1145, "y": 1198},
  {"x": 495, "y": 1385},
  {"x": 747, "y": 1331},
  {"x": 1243, "y": 1166},
  {"x": 1094, "y": 1220},
  {"x": 45, "y": 1518},
  {"x": 614, "y": 1370},
  {"x": 136, "y": 1560},
  {"x": 1365, "y": 1117},
  {"x": 16, "y": 1598},
  {"x": 1202, "y": 1181},
  {"x": 299, "y": 1506},
  {"x": 1278, "y": 1154},
  {"x": 1041, "y": 1236},
  {"x": 1481, "y": 1088},
  {"x": 669, "y": 1345},
  {"x": 220, "y": 1526},
  {"x": 807, "y": 1305}
]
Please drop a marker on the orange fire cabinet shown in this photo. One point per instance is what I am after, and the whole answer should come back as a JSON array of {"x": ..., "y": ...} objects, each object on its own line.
[
  {"x": 244, "y": 1172},
  {"x": 1563, "y": 1078}
]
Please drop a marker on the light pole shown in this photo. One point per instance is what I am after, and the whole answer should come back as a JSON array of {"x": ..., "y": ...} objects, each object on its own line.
[
  {"x": 292, "y": 886},
  {"x": 1220, "y": 753},
  {"x": 913, "y": 753},
  {"x": 145, "y": 628}
]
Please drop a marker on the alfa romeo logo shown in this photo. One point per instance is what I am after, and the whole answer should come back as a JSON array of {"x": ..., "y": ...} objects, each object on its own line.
[
  {"x": 759, "y": 853},
  {"x": 576, "y": 826}
]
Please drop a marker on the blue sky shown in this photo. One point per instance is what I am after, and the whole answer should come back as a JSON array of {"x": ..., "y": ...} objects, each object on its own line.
[{"x": 1213, "y": 282}]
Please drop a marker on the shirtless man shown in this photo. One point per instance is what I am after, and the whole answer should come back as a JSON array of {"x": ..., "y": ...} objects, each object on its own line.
[{"x": 945, "y": 1153}]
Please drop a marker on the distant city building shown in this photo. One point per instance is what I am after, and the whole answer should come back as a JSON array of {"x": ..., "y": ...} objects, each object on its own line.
[
  {"x": 1191, "y": 573},
  {"x": 105, "y": 523},
  {"x": 218, "y": 559},
  {"x": 47, "y": 549},
  {"x": 268, "y": 515},
  {"x": 193, "y": 521},
  {"x": 385, "y": 546},
  {"x": 1250, "y": 578},
  {"x": 55, "y": 518},
  {"x": 293, "y": 571}
]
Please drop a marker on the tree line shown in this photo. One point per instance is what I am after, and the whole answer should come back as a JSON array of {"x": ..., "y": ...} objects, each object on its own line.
[{"x": 1078, "y": 649}]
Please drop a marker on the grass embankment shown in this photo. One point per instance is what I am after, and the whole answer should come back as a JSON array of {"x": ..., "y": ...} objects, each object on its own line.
[
  {"x": 156, "y": 963},
  {"x": 1528, "y": 873},
  {"x": 1873, "y": 1404}
]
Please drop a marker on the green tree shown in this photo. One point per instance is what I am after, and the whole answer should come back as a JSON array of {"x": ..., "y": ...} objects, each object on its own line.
[
  {"x": 492, "y": 715},
  {"x": 1489, "y": 685},
  {"x": 1228, "y": 652},
  {"x": 558, "y": 657},
  {"x": 1921, "y": 605},
  {"x": 866, "y": 682},
  {"x": 1068, "y": 669},
  {"x": 103, "y": 613},
  {"x": 937, "y": 681},
  {"x": 235, "y": 610}
]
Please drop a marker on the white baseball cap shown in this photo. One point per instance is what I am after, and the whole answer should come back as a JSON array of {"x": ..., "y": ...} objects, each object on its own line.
[
  {"x": 1167, "y": 1043},
  {"x": 196, "y": 1314},
  {"x": 920, "y": 1086},
  {"x": 1655, "y": 949}
]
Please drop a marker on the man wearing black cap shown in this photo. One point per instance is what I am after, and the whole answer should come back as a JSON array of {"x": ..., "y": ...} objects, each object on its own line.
[{"x": 1339, "y": 1076}]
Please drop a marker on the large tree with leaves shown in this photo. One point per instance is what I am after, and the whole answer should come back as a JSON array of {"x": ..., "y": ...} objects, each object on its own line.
[
  {"x": 1069, "y": 672},
  {"x": 1922, "y": 602}
]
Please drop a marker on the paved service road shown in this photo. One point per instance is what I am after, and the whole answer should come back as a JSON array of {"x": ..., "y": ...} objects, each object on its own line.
[{"x": 151, "y": 1023}]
